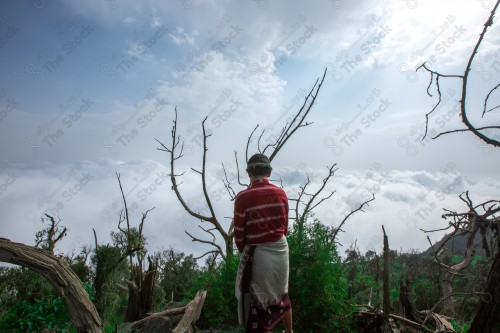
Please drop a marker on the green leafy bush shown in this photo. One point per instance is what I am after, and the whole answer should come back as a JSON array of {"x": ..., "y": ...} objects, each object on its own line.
[
  {"x": 47, "y": 312},
  {"x": 220, "y": 309},
  {"x": 318, "y": 288},
  {"x": 460, "y": 326}
]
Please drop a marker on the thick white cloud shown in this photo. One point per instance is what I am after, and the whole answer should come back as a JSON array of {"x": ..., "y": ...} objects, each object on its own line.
[{"x": 85, "y": 195}]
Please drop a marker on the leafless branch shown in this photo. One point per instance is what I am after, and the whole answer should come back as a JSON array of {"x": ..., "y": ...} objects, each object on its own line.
[
  {"x": 210, "y": 242},
  {"x": 464, "y": 130},
  {"x": 49, "y": 236},
  {"x": 227, "y": 184},
  {"x": 413, "y": 324},
  {"x": 207, "y": 253},
  {"x": 486, "y": 100},
  {"x": 176, "y": 141},
  {"x": 95, "y": 238},
  {"x": 434, "y": 230},
  {"x": 463, "y": 111},
  {"x": 248, "y": 142},
  {"x": 290, "y": 127},
  {"x": 447, "y": 297},
  {"x": 238, "y": 168},
  {"x": 124, "y": 201},
  {"x": 310, "y": 204},
  {"x": 141, "y": 225},
  {"x": 360, "y": 208}
]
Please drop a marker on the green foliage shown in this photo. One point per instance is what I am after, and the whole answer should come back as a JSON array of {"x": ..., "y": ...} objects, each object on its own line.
[
  {"x": 455, "y": 259},
  {"x": 177, "y": 272},
  {"x": 79, "y": 265},
  {"x": 363, "y": 274},
  {"x": 130, "y": 241},
  {"x": 18, "y": 284},
  {"x": 46, "y": 312},
  {"x": 364, "y": 287},
  {"x": 394, "y": 294},
  {"x": 459, "y": 326},
  {"x": 109, "y": 268},
  {"x": 318, "y": 288},
  {"x": 424, "y": 292},
  {"x": 220, "y": 307}
]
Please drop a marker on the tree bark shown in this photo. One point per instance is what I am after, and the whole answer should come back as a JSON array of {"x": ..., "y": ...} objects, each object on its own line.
[
  {"x": 81, "y": 311},
  {"x": 408, "y": 308},
  {"x": 487, "y": 318},
  {"x": 192, "y": 314},
  {"x": 141, "y": 287},
  {"x": 386, "y": 306},
  {"x": 449, "y": 274},
  {"x": 448, "y": 303}
]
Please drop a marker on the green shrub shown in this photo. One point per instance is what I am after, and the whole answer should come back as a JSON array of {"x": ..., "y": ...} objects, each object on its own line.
[
  {"x": 220, "y": 308},
  {"x": 460, "y": 326},
  {"x": 318, "y": 288},
  {"x": 47, "y": 312}
]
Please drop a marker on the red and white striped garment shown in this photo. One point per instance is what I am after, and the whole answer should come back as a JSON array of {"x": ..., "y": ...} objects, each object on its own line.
[{"x": 260, "y": 214}]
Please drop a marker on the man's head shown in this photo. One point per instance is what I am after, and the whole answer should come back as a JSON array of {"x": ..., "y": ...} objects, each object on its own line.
[{"x": 259, "y": 165}]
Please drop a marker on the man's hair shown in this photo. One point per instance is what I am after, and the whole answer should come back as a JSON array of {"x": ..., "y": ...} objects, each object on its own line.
[{"x": 259, "y": 165}]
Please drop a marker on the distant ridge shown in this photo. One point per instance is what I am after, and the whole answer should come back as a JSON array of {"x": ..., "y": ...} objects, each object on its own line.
[{"x": 458, "y": 245}]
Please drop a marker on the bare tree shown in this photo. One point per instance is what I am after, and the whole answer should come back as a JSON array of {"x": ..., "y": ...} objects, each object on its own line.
[
  {"x": 129, "y": 244},
  {"x": 272, "y": 147},
  {"x": 47, "y": 238},
  {"x": 487, "y": 108},
  {"x": 141, "y": 283},
  {"x": 478, "y": 219},
  {"x": 211, "y": 218}
]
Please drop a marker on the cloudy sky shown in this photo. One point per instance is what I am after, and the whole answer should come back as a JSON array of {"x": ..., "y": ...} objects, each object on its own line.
[{"x": 87, "y": 87}]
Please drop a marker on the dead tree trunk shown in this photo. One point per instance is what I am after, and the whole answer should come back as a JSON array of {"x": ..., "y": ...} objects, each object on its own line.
[
  {"x": 81, "y": 311},
  {"x": 140, "y": 298},
  {"x": 408, "y": 309},
  {"x": 451, "y": 272},
  {"x": 449, "y": 300},
  {"x": 487, "y": 318},
  {"x": 386, "y": 306}
]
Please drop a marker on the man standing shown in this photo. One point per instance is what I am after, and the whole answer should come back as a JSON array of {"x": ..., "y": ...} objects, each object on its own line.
[{"x": 260, "y": 229}]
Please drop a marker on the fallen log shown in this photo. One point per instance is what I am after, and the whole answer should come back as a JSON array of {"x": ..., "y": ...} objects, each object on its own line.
[
  {"x": 439, "y": 322},
  {"x": 164, "y": 313},
  {"x": 164, "y": 320},
  {"x": 192, "y": 314},
  {"x": 398, "y": 318}
]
